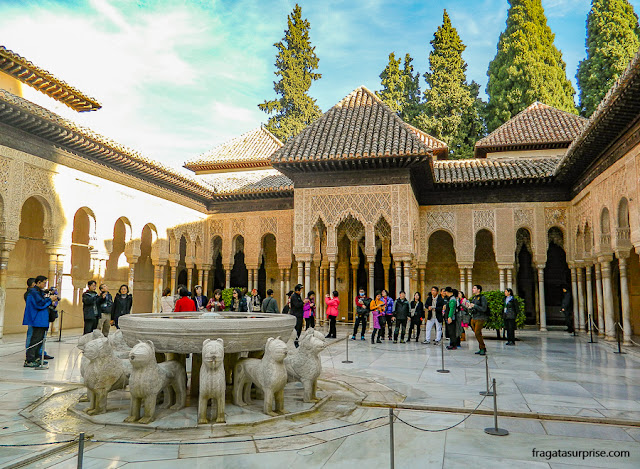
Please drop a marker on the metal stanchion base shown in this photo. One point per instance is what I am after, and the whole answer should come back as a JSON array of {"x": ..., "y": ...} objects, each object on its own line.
[
  {"x": 621, "y": 353},
  {"x": 486, "y": 393},
  {"x": 442, "y": 371},
  {"x": 347, "y": 361},
  {"x": 496, "y": 431}
]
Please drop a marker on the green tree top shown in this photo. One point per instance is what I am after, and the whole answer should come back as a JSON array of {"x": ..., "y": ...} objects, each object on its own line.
[
  {"x": 401, "y": 88},
  {"x": 451, "y": 110},
  {"x": 612, "y": 41},
  {"x": 527, "y": 67},
  {"x": 296, "y": 63}
]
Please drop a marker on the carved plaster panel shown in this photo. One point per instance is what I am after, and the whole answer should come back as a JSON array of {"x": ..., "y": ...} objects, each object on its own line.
[
  {"x": 269, "y": 225},
  {"x": 237, "y": 226},
  {"x": 555, "y": 217},
  {"x": 484, "y": 219},
  {"x": 523, "y": 217}
]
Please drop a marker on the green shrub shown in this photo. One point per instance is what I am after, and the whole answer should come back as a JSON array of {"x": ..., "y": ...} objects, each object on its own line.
[
  {"x": 495, "y": 298},
  {"x": 227, "y": 295}
]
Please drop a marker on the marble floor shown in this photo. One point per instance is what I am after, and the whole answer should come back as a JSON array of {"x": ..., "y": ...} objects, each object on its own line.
[{"x": 563, "y": 393}]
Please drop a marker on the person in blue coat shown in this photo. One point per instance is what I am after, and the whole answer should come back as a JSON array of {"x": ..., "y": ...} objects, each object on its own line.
[{"x": 36, "y": 315}]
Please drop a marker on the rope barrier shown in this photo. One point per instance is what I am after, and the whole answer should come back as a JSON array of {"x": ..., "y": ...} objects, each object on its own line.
[
  {"x": 25, "y": 445},
  {"x": 446, "y": 428},
  {"x": 267, "y": 438},
  {"x": 630, "y": 339},
  {"x": 22, "y": 350}
]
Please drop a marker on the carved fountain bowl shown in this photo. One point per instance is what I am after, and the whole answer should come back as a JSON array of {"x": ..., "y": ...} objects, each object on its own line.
[{"x": 185, "y": 332}]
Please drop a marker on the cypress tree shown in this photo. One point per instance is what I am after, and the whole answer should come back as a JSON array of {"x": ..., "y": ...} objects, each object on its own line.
[
  {"x": 527, "y": 67},
  {"x": 451, "y": 110},
  {"x": 296, "y": 63},
  {"x": 612, "y": 41},
  {"x": 392, "y": 81},
  {"x": 401, "y": 88}
]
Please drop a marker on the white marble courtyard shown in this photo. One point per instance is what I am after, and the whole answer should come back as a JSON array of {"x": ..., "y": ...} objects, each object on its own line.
[{"x": 561, "y": 393}]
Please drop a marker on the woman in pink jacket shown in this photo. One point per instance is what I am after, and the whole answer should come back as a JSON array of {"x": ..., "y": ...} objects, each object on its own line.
[
  {"x": 332, "y": 313},
  {"x": 309, "y": 310}
]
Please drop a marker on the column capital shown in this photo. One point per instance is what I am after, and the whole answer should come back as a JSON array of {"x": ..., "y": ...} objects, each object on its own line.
[
  {"x": 603, "y": 258},
  {"x": 465, "y": 266},
  {"x": 505, "y": 266},
  {"x": 371, "y": 259},
  {"x": 622, "y": 254},
  {"x": 541, "y": 266}
]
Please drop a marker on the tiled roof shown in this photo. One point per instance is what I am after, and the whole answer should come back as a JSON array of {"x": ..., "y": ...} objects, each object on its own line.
[
  {"x": 360, "y": 126},
  {"x": 247, "y": 182},
  {"x": 483, "y": 171},
  {"x": 36, "y": 120},
  {"x": 439, "y": 147},
  {"x": 32, "y": 75},
  {"x": 538, "y": 126},
  {"x": 250, "y": 150}
]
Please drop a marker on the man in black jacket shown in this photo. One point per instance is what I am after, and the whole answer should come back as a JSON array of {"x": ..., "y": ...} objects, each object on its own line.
[
  {"x": 90, "y": 307},
  {"x": 297, "y": 310},
  {"x": 362, "y": 313},
  {"x": 479, "y": 311},
  {"x": 401, "y": 313},
  {"x": 566, "y": 307},
  {"x": 105, "y": 307},
  {"x": 433, "y": 305}
]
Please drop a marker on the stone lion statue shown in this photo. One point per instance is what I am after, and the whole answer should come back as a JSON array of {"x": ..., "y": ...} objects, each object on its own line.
[
  {"x": 213, "y": 384},
  {"x": 82, "y": 342},
  {"x": 118, "y": 344},
  {"x": 103, "y": 372},
  {"x": 149, "y": 378},
  {"x": 268, "y": 374},
  {"x": 303, "y": 364}
]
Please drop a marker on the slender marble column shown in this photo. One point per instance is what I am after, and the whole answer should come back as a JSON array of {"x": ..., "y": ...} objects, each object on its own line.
[
  {"x": 580, "y": 301},
  {"x": 463, "y": 281},
  {"x": 300, "y": 272},
  {"x": 543, "y": 309},
  {"x": 307, "y": 277},
  {"x": 332, "y": 277},
  {"x": 607, "y": 296},
  {"x": 589, "y": 284},
  {"x": 398, "y": 277},
  {"x": 502, "y": 277},
  {"x": 407, "y": 279},
  {"x": 510, "y": 278},
  {"x": 599, "y": 299},
  {"x": 574, "y": 297},
  {"x": 469, "y": 282},
  {"x": 626, "y": 301}
]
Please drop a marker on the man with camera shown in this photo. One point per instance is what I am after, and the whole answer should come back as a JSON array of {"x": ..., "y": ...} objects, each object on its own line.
[
  {"x": 36, "y": 315},
  {"x": 105, "y": 307},
  {"x": 90, "y": 307}
]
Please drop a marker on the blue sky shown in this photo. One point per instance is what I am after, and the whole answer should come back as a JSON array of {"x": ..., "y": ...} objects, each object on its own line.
[{"x": 178, "y": 77}]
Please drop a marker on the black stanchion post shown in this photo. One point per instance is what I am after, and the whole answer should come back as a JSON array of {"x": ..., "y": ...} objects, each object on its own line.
[
  {"x": 60, "y": 328},
  {"x": 488, "y": 392},
  {"x": 347, "y": 342},
  {"x": 495, "y": 431},
  {"x": 42, "y": 366},
  {"x": 442, "y": 370},
  {"x": 591, "y": 330},
  {"x": 391, "y": 443},
  {"x": 617, "y": 326},
  {"x": 80, "y": 450}
]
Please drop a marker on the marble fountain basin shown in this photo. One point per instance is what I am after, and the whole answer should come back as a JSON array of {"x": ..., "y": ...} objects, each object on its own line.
[{"x": 185, "y": 332}]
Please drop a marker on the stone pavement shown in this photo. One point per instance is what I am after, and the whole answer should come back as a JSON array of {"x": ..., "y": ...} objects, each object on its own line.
[{"x": 564, "y": 394}]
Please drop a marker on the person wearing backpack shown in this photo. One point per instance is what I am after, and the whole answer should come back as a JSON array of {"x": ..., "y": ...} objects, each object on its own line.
[
  {"x": 479, "y": 309},
  {"x": 270, "y": 304},
  {"x": 362, "y": 313},
  {"x": 401, "y": 312},
  {"x": 105, "y": 307},
  {"x": 509, "y": 313}
]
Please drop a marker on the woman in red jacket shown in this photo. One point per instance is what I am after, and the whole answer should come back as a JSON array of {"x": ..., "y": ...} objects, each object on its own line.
[
  {"x": 332, "y": 313},
  {"x": 184, "y": 303}
]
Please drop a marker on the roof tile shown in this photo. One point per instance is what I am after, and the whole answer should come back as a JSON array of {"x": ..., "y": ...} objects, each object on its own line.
[
  {"x": 482, "y": 170},
  {"x": 359, "y": 126},
  {"x": 539, "y": 124},
  {"x": 252, "y": 149}
]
